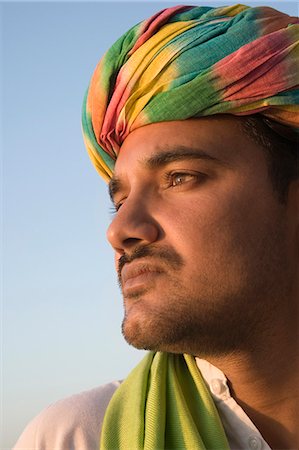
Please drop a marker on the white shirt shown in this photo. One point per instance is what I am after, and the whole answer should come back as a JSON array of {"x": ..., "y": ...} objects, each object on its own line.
[{"x": 75, "y": 423}]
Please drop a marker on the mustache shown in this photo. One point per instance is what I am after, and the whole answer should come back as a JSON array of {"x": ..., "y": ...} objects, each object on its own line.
[{"x": 168, "y": 255}]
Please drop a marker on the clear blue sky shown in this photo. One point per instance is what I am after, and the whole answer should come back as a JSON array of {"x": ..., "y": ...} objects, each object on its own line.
[{"x": 61, "y": 305}]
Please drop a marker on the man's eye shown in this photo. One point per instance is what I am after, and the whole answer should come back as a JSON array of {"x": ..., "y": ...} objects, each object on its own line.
[
  {"x": 115, "y": 207},
  {"x": 177, "y": 179}
]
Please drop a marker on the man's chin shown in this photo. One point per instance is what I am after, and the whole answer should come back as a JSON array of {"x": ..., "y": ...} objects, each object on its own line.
[
  {"x": 136, "y": 335},
  {"x": 151, "y": 338},
  {"x": 177, "y": 337}
]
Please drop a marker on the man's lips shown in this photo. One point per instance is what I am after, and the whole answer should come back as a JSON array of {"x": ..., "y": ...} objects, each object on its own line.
[{"x": 135, "y": 274}]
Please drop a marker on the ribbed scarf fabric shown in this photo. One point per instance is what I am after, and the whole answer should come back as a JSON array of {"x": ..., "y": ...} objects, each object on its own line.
[
  {"x": 189, "y": 61},
  {"x": 163, "y": 404}
]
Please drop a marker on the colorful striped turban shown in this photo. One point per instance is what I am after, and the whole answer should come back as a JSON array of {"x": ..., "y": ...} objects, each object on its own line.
[{"x": 190, "y": 61}]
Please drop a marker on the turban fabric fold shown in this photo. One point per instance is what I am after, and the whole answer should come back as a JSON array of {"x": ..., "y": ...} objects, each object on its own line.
[{"x": 192, "y": 61}]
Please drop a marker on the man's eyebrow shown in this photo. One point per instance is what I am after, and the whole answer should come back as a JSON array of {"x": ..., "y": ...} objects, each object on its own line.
[
  {"x": 114, "y": 186},
  {"x": 161, "y": 158}
]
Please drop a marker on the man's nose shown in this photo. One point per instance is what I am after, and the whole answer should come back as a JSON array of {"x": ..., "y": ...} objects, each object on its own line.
[{"x": 131, "y": 227}]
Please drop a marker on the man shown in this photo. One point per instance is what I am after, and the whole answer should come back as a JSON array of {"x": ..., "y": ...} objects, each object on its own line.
[{"x": 192, "y": 116}]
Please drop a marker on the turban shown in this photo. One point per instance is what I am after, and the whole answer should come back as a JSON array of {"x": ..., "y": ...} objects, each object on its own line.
[{"x": 192, "y": 61}]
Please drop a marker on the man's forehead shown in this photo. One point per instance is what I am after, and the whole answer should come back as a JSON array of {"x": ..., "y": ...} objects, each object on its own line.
[
  {"x": 164, "y": 155},
  {"x": 156, "y": 158},
  {"x": 219, "y": 141},
  {"x": 213, "y": 138}
]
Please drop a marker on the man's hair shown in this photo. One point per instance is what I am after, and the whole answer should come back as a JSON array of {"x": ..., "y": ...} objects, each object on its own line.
[{"x": 281, "y": 145}]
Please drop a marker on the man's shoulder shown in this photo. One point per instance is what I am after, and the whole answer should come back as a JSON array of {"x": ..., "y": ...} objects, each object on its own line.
[{"x": 73, "y": 422}]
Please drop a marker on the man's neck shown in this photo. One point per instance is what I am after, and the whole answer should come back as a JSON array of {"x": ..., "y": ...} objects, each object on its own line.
[
  {"x": 270, "y": 401},
  {"x": 265, "y": 383}
]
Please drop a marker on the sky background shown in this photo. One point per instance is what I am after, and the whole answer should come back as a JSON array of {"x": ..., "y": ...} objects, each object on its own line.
[{"x": 61, "y": 307}]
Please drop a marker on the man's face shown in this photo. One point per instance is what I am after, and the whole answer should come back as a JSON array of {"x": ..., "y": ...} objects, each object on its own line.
[{"x": 202, "y": 245}]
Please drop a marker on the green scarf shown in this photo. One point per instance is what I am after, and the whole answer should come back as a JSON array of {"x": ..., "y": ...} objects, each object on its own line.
[{"x": 164, "y": 403}]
